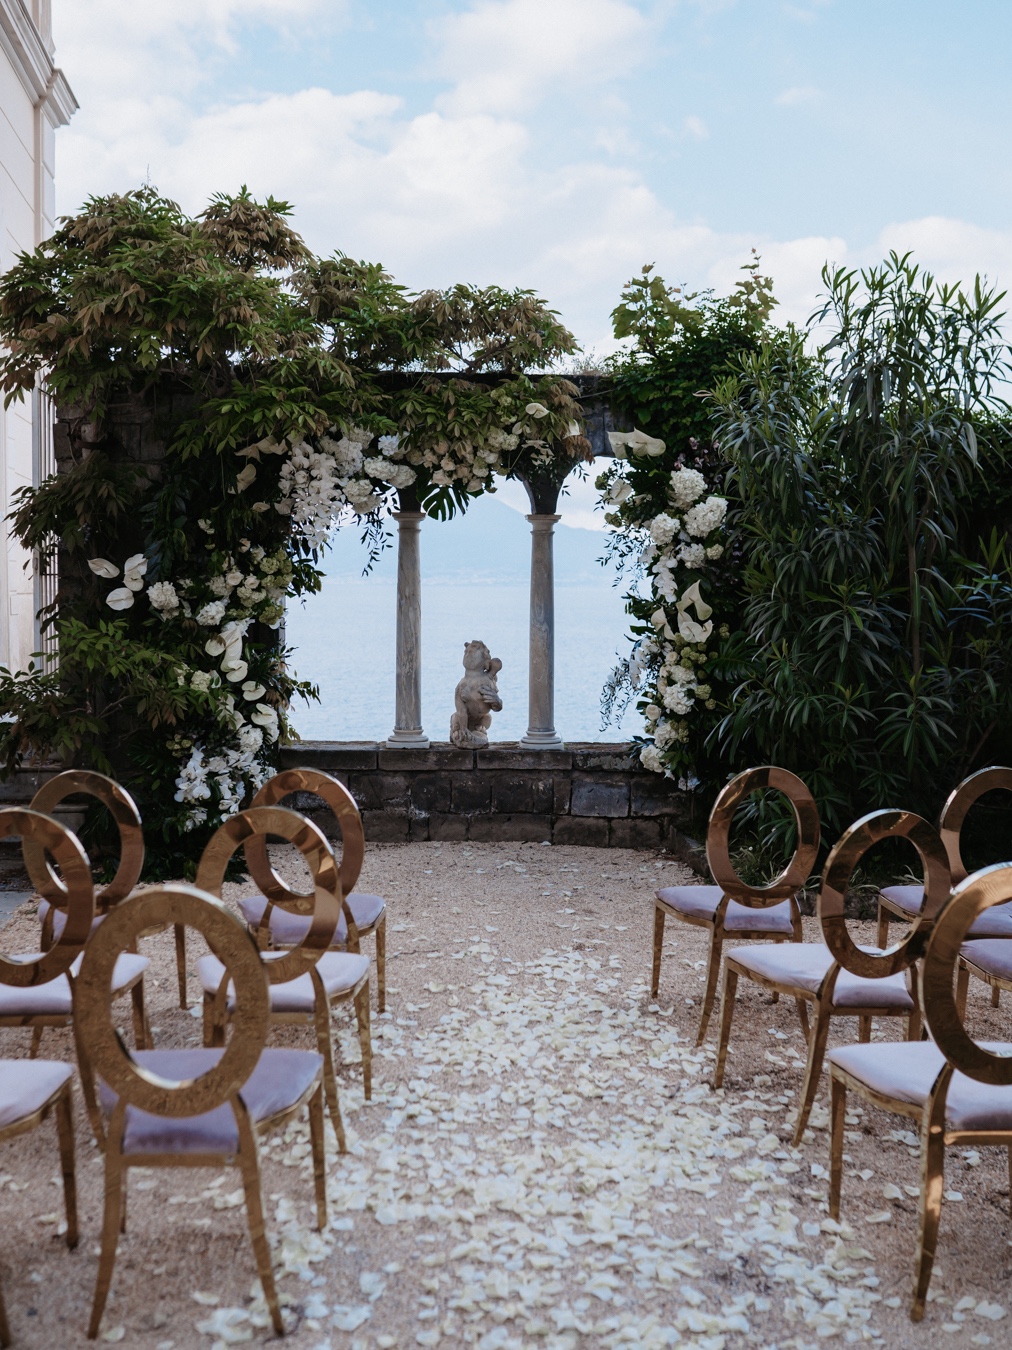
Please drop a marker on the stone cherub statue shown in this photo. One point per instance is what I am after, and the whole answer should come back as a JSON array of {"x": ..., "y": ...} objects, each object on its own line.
[{"x": 476, "y": 698}]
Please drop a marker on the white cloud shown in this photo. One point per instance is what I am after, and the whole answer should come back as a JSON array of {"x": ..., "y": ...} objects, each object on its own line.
[
  {"x": 505, "y": 55},
  {"x": 798, "y": 93},
  {"x": 695, "y": 126}
]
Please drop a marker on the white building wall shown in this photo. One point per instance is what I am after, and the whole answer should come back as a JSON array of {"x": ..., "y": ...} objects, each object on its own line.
[{"x": 34, "y": 100}]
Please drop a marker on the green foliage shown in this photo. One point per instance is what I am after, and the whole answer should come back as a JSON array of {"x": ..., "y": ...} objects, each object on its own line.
[{"x": 874, "y": 631}]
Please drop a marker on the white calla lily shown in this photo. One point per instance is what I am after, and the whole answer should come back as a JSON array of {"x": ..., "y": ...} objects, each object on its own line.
[
  {"x": 120, "y": 598},
  {"x": 536, "y": 410},
  {"x": 245, "y": 477},
  {"x": 692, "y": 597},
  {"x": 102, "y": 567}
]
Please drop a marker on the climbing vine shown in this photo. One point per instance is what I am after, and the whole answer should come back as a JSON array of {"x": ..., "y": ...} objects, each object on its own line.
[{"x": 230, "y": 400}]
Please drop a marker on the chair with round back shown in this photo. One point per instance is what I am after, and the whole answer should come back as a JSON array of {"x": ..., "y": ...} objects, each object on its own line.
[
  {"x": 48, "y": 1001},
  {"x": 196, "y": 1107},
  {"x": 32, "y": 1089},
  {"x": 958, "y": 1091},
  {"x": 904, "y": 902},
  {"x": 731, "y": 908},
  {"x": 278, "y": 914},
  {"x": 123, "y": 809},
  {"x": 306, "y": 980},
  {"x": 837, "y": 978}
]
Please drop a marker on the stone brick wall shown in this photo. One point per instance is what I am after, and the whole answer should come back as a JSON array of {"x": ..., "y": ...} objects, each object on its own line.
[{"x": 590, "y": 793}]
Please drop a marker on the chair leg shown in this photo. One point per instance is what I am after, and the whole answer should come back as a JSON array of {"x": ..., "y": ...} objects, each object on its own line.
[
  {"x": 995, "y": 996},
  {"x": 5, "y": 1331},
  {"x": 863, "y": 1030},
  {"x": 932, "y": 1174},
  {"x": 1010, "y": 1178},
  {"x": 33, "y": 1049},
  {"x": 712, "y": 972},
  {"x": 111, "y": 1220},
  {"x": 365, "y": 1038},
  {"x": 325, "y": 1045},
  {"x": 142, "y": 1031},
  {"x": 250, "y": 1165},
  {"x": 813, "y": 1070},
  {"x": 838, "y": 1107},
  {"x": 914, "y": 1025},
  {"x": 802, "y": 1005},
  {"x": 181, "y": 964},
  {"x": 65, "y": 1136},
  {"x": 726, "y": 1017},
  {"x": 962, "y": 988},
  {"x": 316, "y": 1136},
  {"x": 883, "y": 926},
  {"x": 655, "y": 974},
  {"x": 381, "y": 964}
]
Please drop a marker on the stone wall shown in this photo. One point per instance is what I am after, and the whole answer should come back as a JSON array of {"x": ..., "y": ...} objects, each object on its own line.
[{"x": 592, "y": 793}]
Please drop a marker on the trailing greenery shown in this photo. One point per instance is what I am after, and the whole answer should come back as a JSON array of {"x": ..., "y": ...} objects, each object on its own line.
[{"x": 279, "y": 395}]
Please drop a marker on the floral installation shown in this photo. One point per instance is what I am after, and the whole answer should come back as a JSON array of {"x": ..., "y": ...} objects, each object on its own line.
[{"x": 670, "y": 670}]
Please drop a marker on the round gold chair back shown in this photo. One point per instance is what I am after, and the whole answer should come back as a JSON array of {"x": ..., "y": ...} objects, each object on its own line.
[
  {"x": 340, "y": 801},
  {"x": 324, "y": 904},
  {"x": 94, "y": 1025},
  {"x": 806, "y": 817},
  {"x": 958, "y": 804},
  {"x": 42, "y": 834},
  {"x": 123, "y": 810},
  {"x": 990, "y": 886},
  {"x": 853, "y": 844}
]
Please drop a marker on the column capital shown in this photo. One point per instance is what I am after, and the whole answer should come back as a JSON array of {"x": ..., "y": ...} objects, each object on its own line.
[
  {"x": 408, "y": 518},
  {"x": 543, "y": 521}
]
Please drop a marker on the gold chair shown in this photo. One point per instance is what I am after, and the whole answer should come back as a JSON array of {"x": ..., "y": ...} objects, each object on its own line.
[
  {"x": 958, "y": 1091},
  {"x": 32, "y": 1089},
  {"x": 305, "y": 981},
  {"x": 48, "y": 999},
  {"x": 904, "y": 902},
  {"x": 278, "y": 924},
  {"x": 123, "y": 809},
  {"x": 197, "y": 1107},
  {"x": 815, "y": 973},
  {"x": 731, "y": 908}
]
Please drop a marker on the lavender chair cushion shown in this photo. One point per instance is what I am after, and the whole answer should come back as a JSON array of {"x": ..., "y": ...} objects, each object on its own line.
[
  {"x": 803, "y": 966},
  {"x": 26, "y": 1085},
  {"x": 339, "y": 972},
  {"x": 275, "y": 1085},
  {"x": 288, "y": 930},
  {"x": 60, "y": 919},
  {"x": 907, "y": 1070},
  {"x": 993, "y": 923},
  {"x": 54, "y": 999},
  {"x": 700, "y": 902},
  {"x": 993, "y": 955}
]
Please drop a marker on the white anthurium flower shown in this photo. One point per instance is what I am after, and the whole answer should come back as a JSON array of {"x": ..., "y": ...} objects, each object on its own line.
[
  {"x": 235, "y": 671},
  {"x": 133, "y": 571},
  {"x": 245, "y": 477},
  {"x": 692, "y": 631},
  {"x": 121, "y": 598},
  {"x": 261, "y": 507},
  {"x": 215, "y": 646},
  {"x": 102, "y": 567},
  {"x": 617, "y": 440},
  {"x": 639, "y": 443},
  {"x": 692, "y": 597},
  {"x": 251, "y": 691},
  {"x": 536, "y": 410},
  {"x": 573, "y": 429}
]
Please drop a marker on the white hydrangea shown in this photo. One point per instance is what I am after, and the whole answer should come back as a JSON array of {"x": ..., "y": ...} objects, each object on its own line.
[
  {"x": 665, "y": 735},
  {"x": 714, "y": 552},
  {"x": 163, "y": 597},
  {"x": 650, "y": 758},
  {"x": 687, "y": 486},
  {"x": 705, "y": 517},
  {"x": 663, "y": 529},
  {"x": 677, "y": 699},
  {"x": 212, "y": 613},
  {"x": 692, "y": 555}
]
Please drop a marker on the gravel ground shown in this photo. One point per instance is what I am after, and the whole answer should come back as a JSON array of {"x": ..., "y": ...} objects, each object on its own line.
[{"x": 544, "y": 1162}]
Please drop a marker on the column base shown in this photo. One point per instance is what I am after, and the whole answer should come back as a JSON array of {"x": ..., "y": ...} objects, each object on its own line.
[
  {"x": 402, "y": 739},
  {"x": 541, "y": 740}
]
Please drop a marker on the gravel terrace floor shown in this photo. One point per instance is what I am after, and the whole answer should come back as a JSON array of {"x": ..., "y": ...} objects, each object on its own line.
[{"x": 544, "y": 1162}]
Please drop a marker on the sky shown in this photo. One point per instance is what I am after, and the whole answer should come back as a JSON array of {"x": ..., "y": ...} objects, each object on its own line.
[{"x": 561, "y": 144}]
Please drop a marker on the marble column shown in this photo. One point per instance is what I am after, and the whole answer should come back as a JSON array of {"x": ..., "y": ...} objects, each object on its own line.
[
  {"x": 541, "y": 733},
  {"x": 407, "y": 732}
]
